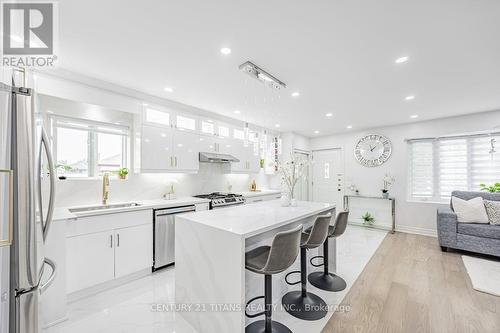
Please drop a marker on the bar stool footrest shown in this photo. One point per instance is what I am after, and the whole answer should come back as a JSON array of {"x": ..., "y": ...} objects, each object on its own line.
[
  {"x": 317, "y": 265},
  {"x": 292, "y": 283},
  {"x": 256, "y": 314}
]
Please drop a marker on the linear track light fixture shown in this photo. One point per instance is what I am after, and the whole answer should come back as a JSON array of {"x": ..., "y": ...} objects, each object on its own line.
[{"x": 258, "y": 73}]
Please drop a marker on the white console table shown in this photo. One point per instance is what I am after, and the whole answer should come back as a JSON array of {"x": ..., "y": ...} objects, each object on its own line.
[{"x": 392, "y": 207}]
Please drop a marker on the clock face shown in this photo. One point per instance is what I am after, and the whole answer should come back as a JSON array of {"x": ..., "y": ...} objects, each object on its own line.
[{"x": 373, "y": 150}]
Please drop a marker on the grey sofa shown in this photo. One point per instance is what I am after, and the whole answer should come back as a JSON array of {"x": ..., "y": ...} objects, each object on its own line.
[{"x": 480, "y": 238}]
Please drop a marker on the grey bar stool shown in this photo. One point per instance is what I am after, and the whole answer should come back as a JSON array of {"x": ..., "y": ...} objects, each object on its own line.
[
  {"x": 272, "y": 260},
  {"x": 326, "y": 280},
  {"x": 301, "y": 303}
]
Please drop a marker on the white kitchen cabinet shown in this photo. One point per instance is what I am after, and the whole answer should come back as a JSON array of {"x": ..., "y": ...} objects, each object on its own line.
[
  {"x": 249, "y": 162},
  {"x": 104, "y": 247},
  {"x": 133, "y": 249},
  {"x": 214, "y": 144},
  {"x": 186, "y": 148},
  {"x": 259, "y": 198},
  {"x": 90, "y": 260},
  {"x": 164, "y": 149},
  {"x": 156, "y": 148}
]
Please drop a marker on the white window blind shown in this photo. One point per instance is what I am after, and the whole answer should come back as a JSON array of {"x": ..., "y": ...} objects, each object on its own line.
[{"x": 439, "y": 166}]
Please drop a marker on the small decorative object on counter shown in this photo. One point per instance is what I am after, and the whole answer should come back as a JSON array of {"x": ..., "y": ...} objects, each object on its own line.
[
  {"x": 63, "y": 168},
  {"x": 291, "y": 172},
  {"x": 122, "y": 173},
  {"x": 229, "y": 187},
  {"x": 388, "y": 181},
  {"x": 368, "y": 219},
  {"x": 170, "y": 195},
  {"x": 253, "y": 186},
  {"x": 285, "y": 200}
]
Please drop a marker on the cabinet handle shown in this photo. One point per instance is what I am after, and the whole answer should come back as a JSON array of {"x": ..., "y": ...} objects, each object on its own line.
[
  {"x": 175, "y": 161},
  {"x": 117, "y": 240},
  {"x": 171, "y": 161},
  {"x": 111, "y": 241}
]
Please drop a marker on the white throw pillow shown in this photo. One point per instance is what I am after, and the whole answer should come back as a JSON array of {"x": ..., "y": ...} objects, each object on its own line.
[
  {"x": 493, "y": 211},
  {"x": 470, "y": 211}
]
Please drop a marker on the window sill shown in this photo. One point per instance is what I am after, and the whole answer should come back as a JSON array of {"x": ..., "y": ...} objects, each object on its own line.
[
  {"x": 88, "y": 179},
  {"x": 428, "y": 202}
]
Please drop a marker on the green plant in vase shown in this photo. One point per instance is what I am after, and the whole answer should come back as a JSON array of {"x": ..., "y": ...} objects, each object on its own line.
[
  {"x": 368, "y": 219},
  {"x": 122, "y": 173}
]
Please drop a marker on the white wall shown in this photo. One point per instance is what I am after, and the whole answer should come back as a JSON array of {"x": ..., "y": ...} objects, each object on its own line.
[{"x": 410, "y": 216}]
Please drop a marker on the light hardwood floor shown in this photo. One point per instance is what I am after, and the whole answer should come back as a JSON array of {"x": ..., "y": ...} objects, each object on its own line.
[{"x": 409, "y": 285}]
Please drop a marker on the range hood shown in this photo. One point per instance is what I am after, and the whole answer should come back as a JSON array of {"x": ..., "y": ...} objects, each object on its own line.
[{"x": 217, "y": 158}]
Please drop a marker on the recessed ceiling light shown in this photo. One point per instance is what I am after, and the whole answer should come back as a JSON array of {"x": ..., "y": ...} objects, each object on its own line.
[
  {"x": 48, "y": 111},
  {"x": 145, "y": 104},
  {"x": 402, "y": 60},
  {"x": 168, "y": 89},
  {"x": 237, "y": 111},
  {"x": 329, "y": 115},
  {"x": 414, "y": 116},
  {"x": 277, "y": 125},
  {"x": 409, "y": 98},
  {"x": 349, "y": 126},
  {"x": 225, "y": 50},
  {"x": 316, "y": 132},
  {"x": 295, "y": 94}
]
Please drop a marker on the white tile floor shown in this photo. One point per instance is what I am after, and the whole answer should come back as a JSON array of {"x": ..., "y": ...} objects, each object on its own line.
[{"x": 129, "y": 308}]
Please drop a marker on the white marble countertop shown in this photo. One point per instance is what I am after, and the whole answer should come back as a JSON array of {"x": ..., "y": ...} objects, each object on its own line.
[
  {"x": 63, "y": 213},
  {"x": 258, "y": 193},
  {"x": 250, "y": 220}
]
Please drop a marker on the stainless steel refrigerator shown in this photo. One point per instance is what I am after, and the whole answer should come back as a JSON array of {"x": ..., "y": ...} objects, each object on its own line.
[{"x": 25, "y": 216}]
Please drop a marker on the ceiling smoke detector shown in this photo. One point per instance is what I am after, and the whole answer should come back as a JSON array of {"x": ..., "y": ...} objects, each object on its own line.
[{"x": 261, "y": 75}]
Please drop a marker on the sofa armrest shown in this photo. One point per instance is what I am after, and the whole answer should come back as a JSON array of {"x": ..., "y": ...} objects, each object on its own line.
[{"x": 446, "y": 220}]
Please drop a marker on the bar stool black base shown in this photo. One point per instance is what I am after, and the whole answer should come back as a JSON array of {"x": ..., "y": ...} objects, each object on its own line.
[
  {"x": 328, "y": 282},
  {"x": 311, "y": 307},
  {"x": 260, "y": 327}
]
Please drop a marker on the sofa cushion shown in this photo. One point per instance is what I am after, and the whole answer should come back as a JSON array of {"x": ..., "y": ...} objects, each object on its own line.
[
  {"x": 493, "y": 211},
  {"x": 479, "y": 230},
  {"x": 470, "y": 211},
  {"x": 467, "y": 195}
]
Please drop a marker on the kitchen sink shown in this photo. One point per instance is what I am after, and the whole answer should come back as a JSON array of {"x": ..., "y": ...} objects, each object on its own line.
[{"x": 103, "y": 207}]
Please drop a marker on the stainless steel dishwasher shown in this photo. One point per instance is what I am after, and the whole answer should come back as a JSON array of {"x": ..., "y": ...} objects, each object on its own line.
[{"x": 164, "y": 235}]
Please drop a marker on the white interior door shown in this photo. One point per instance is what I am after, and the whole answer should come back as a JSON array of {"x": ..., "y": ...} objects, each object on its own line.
[
  {"x": 328, "y": 176},
  {"x": 302, "y": 187}
]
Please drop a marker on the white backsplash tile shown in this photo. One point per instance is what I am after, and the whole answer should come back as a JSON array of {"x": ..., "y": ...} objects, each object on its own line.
[{"x": 210, "y": 178}]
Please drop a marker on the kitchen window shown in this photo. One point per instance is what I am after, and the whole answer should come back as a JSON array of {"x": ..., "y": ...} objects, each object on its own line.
[
  {"x": 439, "y": 166},
  {"x": 88, "y": 149}
]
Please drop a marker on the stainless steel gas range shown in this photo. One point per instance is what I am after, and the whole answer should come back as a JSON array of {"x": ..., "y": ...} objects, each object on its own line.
[{"x": 221, "y": 200}]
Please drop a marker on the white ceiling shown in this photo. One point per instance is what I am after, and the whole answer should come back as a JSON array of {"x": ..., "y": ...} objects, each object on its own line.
[{"x": 338, "y": 54}]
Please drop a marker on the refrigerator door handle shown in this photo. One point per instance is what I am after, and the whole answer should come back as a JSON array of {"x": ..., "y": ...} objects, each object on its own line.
[
  {"x": 8, "y": 241},
  {"x": 43, "y": 286},
  {"x": 44, "y": 143}
]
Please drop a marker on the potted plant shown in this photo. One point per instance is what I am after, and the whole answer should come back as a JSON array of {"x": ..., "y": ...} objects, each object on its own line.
[
  {"x": 63, "y": 168},
  {"x": 368, "y": 219},
  {"x": 495, "y": 188},
  {"x": 388, "y": 181},
  {"x": 122, "y": 173}
]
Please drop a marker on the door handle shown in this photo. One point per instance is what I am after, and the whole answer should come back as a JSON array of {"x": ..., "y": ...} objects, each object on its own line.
[
  {"x": 8, "y": 241},
  {"x": 117, "y": 240},
  {"x": 50, "y": 210},
  {"x": 52, "y": 276}
]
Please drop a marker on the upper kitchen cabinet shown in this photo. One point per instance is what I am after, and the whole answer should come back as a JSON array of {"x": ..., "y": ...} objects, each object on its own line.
[
  {"x": 186, "y": 147},
  {"x": 169, "y": 142}
]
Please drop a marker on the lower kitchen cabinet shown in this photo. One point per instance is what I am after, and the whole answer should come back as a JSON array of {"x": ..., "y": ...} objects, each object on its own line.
[
  {"x": 131, "y": 254},
  {"x": 102, "y": 248},
  {"x": 90, "y": 260}
]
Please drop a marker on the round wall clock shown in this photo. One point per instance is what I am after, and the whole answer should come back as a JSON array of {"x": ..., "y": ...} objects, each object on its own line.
[{"x": 373, "y": 150}]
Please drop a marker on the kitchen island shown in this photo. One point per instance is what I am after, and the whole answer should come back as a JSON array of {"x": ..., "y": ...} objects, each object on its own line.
[{"x": 211, "y": 283}]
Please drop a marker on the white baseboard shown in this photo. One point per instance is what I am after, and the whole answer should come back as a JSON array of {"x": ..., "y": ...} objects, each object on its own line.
[{"x": 416, "y": 230}]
